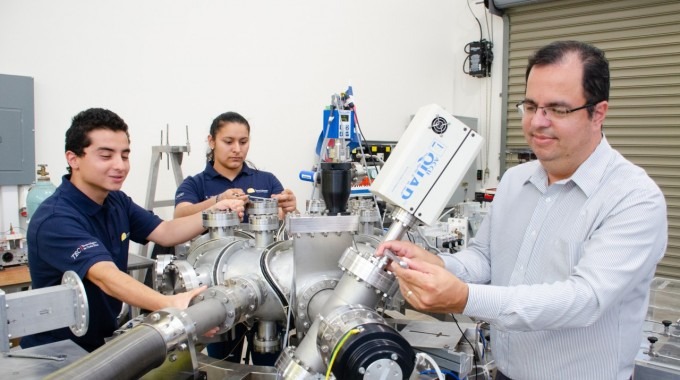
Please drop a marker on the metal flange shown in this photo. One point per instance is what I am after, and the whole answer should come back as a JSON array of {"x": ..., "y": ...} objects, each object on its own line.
[
  {"x": 291, "y": 367},
  {"x": 217, "y": 219},
  {"x": 263, "y": 206},
  {"x": 178, "y": 277},
  {"x": 338, "y": 323},
  {"x": 81, "y": 309},
  {"x": 367, "y": 270},
  {"x": 303, "y": 318}
]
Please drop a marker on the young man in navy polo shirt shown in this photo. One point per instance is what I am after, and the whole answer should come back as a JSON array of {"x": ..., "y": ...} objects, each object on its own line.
[{"x": 87, "y": 224}]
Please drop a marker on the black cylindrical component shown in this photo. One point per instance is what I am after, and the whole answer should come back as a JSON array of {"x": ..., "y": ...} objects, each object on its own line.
[
  {"x": 375, "y": 342},
  {"x": 336, "y": 185},
  {"x": 128, "y": 356}
]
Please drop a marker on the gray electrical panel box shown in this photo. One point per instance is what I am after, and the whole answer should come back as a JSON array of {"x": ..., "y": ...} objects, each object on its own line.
[{"x": 17, "y": 131}]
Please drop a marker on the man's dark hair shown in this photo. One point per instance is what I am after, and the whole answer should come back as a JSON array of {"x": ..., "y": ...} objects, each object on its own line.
[
  {"x": 219, "y": 121},
  {"x": 77, "y": 136},
  {"x": 595, "y": 67}
]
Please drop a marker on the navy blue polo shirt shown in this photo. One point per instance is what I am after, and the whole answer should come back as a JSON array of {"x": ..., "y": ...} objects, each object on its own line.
[
  {"x": 70, "y": 231},
  {"x": 209, "y": 183}
]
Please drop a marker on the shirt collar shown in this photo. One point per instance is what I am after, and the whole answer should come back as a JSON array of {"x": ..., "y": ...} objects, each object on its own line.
[
  {"x": 586, "y": 177},
  {"x": 592, "y": 170},
  {"x": 212, "y": 173},
  {"x": 80, "y": 201}
]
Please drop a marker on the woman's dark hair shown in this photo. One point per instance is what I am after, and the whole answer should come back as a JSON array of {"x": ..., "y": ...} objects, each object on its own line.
[
  {"x": 219, "y": 122},
  {"x": 77, "y": 136},
  {"x": 595, "y": 67}
]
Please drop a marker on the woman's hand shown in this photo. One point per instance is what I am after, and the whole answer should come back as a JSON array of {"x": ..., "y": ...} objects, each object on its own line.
[
  {"x": 286, "y": 201},
  {"x": 237, "y": 194},
  {"x": 230, "y": 205}
]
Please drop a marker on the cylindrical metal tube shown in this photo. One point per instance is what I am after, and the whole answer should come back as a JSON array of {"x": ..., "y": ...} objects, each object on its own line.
[
  {"x": 207, "y": 314},
  {"x": 402, "y": 221},
  {"x": 143, "y": 348},
  {"x": 129, "y": 356}
]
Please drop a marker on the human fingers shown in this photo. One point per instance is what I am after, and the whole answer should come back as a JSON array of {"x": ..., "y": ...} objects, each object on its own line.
[
  {"x": 431, "y": 288},
  {"x": 194, "y": 292},
  {"x": 398, "y": 247},
  {"x": 182, "y": 300},
  {"x": 415, "y": 272},
  {"x": 212, "y": 332},
  {"x": 407, "y": 293},
  {"x": 281, "y": 197},
  {"x": 231, "y": 204},
  {"x": 235, "y": 194}
]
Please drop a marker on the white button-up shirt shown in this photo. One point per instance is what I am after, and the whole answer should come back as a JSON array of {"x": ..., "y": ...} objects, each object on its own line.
[{"x": 562, "y": 272}]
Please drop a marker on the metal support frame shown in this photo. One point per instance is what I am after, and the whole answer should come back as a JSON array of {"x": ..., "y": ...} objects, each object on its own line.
[{"x": 175, "y": 153}]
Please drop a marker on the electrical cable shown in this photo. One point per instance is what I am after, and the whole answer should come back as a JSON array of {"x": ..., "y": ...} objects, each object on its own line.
[
  {"x": 318, "y": 166},
  {"x": 484, "y": 52},
  {"x": 353, "y": 108},
  {"x": 444, "y": 371},
  {"x": 475, "y": 16},
  {"x": 474, "y": 350},
  {"x": 281, "y": 231},
  {"x": 429, "y": 245},
  {"x": 481, "y": 334},
  {"x": 337, "y": 349},
  {"x": 485, "y": 372},
  {"x": 290, "y": 317},
  {"x": 264, "y": 268},
  {"x": 435, "y": 366},
  {"x": 230, "y": 352},
  {"x": 447, "y": 212}
]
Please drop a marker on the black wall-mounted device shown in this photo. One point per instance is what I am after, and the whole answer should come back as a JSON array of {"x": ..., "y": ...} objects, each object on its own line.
[{"x": 479, "y": 59}]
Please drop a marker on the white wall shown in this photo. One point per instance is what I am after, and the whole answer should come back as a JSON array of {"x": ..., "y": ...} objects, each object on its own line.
[{"x": 158, "y": 62}]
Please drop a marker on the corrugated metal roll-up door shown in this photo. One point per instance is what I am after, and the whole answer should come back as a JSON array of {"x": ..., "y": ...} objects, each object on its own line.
[{"x": 642, "y": 42}]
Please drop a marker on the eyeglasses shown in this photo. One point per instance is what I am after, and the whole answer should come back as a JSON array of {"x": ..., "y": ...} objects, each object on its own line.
[{"x": 527, "y": 109}]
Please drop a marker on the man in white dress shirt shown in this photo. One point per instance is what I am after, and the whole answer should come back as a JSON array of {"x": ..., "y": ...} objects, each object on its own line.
[{"x": 561, "y": 265}]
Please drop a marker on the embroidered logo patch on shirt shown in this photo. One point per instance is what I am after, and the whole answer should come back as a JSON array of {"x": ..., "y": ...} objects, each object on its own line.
[{"x": 82, "y": 248}]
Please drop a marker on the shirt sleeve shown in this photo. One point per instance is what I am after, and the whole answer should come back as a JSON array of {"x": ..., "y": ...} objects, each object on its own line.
[
  {"x": 276, "y": 186},
  {"x": 142, "y": 222},
  {"x": 617, "y": 258},
  {"x": 188, "y": 192},
  {"x": 473, "y": 265},
  {"x": 64, "y": 243}
]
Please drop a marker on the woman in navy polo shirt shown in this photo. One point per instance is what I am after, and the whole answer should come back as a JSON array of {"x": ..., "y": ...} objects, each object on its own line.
[{"x": 227, "y": 175}]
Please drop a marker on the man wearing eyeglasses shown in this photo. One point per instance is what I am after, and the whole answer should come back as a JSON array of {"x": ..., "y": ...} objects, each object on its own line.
[{"x": 561, "y": 265}]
